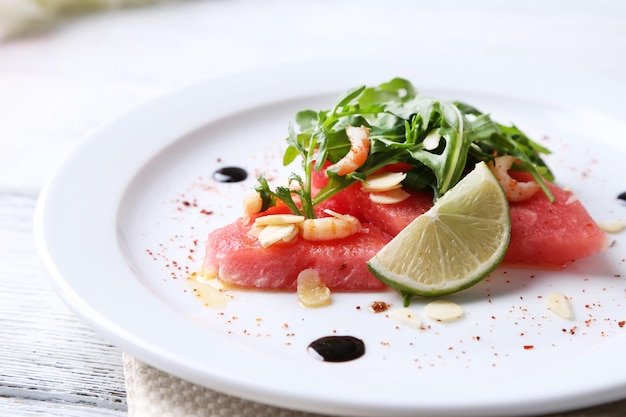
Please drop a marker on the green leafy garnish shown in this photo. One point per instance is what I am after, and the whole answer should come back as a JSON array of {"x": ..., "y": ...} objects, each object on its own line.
[{"x": 437, "y": 141}]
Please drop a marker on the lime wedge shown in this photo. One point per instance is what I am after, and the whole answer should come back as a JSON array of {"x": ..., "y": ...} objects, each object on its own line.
[{"x": 454, "y": 245}]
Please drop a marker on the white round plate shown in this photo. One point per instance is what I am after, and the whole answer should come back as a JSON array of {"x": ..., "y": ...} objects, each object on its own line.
[{"x": 121, "y": 228}]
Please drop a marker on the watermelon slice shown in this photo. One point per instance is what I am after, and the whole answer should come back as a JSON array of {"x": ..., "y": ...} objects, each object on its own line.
[
  {"x": 238, "y": 259},
  {"x": 544, "y": 234},
  {"x": 551, "y": 235},
  {"x": 391, "y": 218}
]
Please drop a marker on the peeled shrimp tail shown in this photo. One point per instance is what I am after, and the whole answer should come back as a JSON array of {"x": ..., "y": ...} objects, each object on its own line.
[
  {"x": 513, "y": 189},
  {"x": 357, "y": 155},
  {"x": 336, "y": 226}
]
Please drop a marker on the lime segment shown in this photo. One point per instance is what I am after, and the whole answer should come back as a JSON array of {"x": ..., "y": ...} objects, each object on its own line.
[{"x": 454, "y": 245}]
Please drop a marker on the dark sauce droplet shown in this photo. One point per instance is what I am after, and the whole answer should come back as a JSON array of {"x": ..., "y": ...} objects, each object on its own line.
[
  {"x": 622, "y": 196},
  {"x": 230, "y": 174},
  {"x": 338, "y": 348}
]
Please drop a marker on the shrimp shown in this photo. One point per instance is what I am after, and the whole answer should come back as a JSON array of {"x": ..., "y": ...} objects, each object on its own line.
[
  {"x": 513, "y": 189},
  {"x": 359, "y": 150},
  {"x": 336, "y": 226}
]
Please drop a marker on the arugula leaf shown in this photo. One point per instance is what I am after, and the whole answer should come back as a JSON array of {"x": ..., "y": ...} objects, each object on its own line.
[
  {"x": 448, "y": 165},
  {"x": 494, "y": 138},
  {"x": 400, "y": 120},
  {"x": 268, "y": 197}
]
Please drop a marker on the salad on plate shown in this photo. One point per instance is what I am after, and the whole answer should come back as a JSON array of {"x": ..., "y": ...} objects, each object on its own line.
[{"x": 403, "y": 190}]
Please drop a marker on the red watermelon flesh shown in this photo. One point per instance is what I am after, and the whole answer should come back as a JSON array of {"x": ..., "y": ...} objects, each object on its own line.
[
  {"x": 553, "y": 234},
  {"x": 543, "y": 233},
  {"x": 238, "y": 259},
  {"x": 391, "y": 218}
]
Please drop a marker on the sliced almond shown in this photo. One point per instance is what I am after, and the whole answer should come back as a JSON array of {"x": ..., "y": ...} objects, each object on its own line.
[
  {"x": 255, "y": 231},
  {"x": 615, "y": 226},
  {"x": 431, "y": 141},
  {"x": 384, "y": 181},
  {"x": 442, "y": 310},
  {"x": 210, "y": 280},
  {"x": 294, "y": 232},
  {"x": 275, "y": 233},
  {"x": 333, "y": 213},
  {"x": 406, "y": 317},
  {"x": 389, "y": 197},
  {"x": 274, "y": 219},
  {"x": 312, "y": 292},
  {"x": 346, "y": 217},
  {"x": 208, "y": 289},
  {"x": 560, "y": 305}
]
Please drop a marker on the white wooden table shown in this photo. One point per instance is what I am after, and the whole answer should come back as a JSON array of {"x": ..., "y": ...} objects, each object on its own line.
[{"x": 60, "y": 82}]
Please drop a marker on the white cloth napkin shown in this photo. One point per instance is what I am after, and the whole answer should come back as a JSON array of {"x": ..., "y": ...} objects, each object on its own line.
[{"x": 153, "y": 393}]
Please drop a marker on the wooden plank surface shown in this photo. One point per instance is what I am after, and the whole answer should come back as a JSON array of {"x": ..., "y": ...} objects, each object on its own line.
[{"x": 46, "y": 354}]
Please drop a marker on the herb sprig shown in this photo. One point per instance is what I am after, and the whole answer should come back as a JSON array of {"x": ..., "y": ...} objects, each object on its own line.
[{"x": 400, "y": 121}]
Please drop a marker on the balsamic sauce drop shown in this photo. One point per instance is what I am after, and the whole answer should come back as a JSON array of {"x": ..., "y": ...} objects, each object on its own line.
[
  {"x": 622, "y": 196},
  {"x": 337, "y": 348},
  {"x": 230, "y": 174}
]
